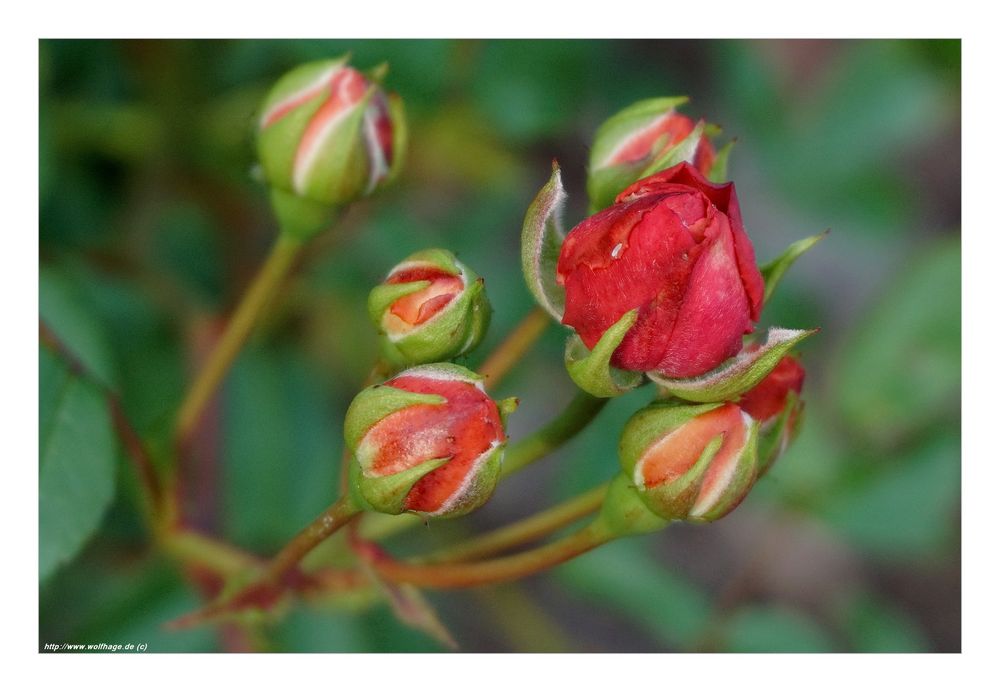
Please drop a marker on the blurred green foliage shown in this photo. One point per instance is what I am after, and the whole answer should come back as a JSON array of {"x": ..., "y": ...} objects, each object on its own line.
[{"x": 152, "y": 225}]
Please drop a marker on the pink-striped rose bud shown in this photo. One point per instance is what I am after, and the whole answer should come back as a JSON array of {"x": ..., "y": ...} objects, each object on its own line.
[
  {"x": 327, "y": 135},
  {"x": 693, "y": 463},
  {"x": 428, "y": 441},
  {"x": 647, "y": 137},
  {"x": 775, "y": 403}
]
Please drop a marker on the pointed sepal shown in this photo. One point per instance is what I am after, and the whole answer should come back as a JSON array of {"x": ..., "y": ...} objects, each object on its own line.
[
  {"x": 776, "y": 268},
  {"x": 387, "y": 494},
  {"x": 592, "y": 371},
  {"x": 736, "y": 375},
  {"x": 719, "y": 172},
  {"x": 541, "y": 239}
]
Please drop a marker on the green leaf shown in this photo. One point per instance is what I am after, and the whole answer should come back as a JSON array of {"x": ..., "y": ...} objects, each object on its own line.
[
  {"x": 758, "y": 629},
  {"x": 77, "y": 451},
  {"x": 541, "y": 240},
  {"x": 63, "y": 310},
  {"x": 900, "y": 371}
]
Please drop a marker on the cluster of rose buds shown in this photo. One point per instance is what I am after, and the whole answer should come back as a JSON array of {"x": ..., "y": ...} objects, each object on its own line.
[{"x": 659, "y": 284}]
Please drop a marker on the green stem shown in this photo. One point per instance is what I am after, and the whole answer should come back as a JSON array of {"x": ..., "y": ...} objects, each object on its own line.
[
  {"x": 469, "y": 574},
  {"x": 322, "y": 527},
  {"x": 524, "y": 531},
  {"x": 248, "y": 313},
  {"x": 574, "y": 418}
]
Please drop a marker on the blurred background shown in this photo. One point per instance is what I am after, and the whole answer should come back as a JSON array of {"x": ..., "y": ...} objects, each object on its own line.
[{"x": 152, "y": 225}]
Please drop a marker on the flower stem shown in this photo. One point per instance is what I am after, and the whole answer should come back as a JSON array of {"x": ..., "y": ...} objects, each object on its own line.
[
  {"x": 267, "y": 282},
  {"x": 469, "y": 574},
  {"x": 513, "y": 348},
  {"x": 322, "y": 527},
  {"x": 524, "y": 531},
  {"x": 575, "y": 417}
]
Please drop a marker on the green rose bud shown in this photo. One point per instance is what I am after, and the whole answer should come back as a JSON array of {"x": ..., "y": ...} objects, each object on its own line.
[
  {"x": 327, "y": 135},
  {"x": 428, "y": 441},
  {"x": 647, "y": 137},
  {"x": 430, "y": 307},
  {"x": 694, "y": 463}
]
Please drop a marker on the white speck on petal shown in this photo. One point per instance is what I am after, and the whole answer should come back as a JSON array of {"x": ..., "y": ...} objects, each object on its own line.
[{"x": 617, "y": 250}]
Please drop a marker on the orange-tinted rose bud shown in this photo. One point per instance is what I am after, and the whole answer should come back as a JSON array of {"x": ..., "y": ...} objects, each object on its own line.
[{"x": 693, "y": 463}]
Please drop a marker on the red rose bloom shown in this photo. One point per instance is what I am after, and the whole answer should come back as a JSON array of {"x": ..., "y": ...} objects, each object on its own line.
[
  {"x": 673, "y": 246},
  {"x": 768, "y": 398}
]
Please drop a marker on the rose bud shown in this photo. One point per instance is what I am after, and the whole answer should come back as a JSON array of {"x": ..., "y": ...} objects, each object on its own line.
[
  {"x": 428, "y": 441},
  {"x": 642, "y": 139},
  {"x": 327, "y": 135},
  {"x": 673, "y": 248},
  {"x": 694, "y": 463},
  {"x": 430, "y": 307},
  {"x": 775, "y": 403}
]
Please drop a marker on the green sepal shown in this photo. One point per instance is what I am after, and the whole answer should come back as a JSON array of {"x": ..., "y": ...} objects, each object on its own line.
[
  {"x": 592, "y": 371},
  {"x": 299, "y": 217},
  {"x": 779, "y": 432},
  {"x": 739, "y": 484},
  {"x": 776, "y": 268},
  {"x": 374, "y": 403},
  {"x": 506, "y": 407},
  {"x": 541, "y": 239},
  {"x": 736, "y": 375},
  {"x": 400, "y": 136},
  {"x": 718, "y": 173},
  {"x": 387, "y": 494},
  {"x": 624, "y": 513}
]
